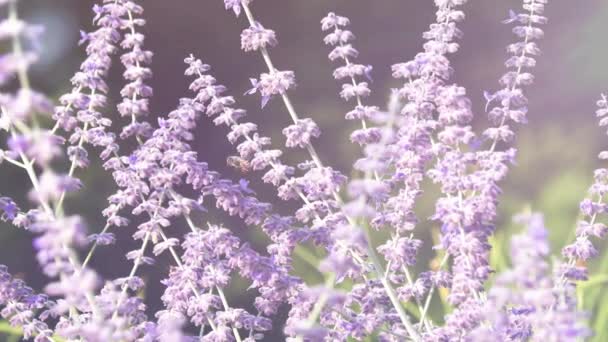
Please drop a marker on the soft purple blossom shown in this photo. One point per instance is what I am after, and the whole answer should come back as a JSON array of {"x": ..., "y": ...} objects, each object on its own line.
[
  {"x": 467, "y": 220},
  {"x": 136, "y": 60},
  {"x": 257, "y": 37},
  {"x": 22, "y": 307},
  {"x": 235, "y": 5},
  {"x": 271, "y": 84},
  {"x": 523, "y": 302},
  {"x": 300, "y": 134},
  {"x": 592, "y": 209}
]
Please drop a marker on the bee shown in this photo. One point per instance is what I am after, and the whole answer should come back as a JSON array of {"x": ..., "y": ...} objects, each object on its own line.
[{"x": 238, "y": 163}]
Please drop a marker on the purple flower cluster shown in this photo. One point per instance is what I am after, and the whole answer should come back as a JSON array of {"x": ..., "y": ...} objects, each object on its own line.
[
  {"x": 468, "y": 210},
  {"x": 22, "y": 307},
  {"x": 79, "y": 112},
  {"x": 136, "y": 59},
  {"x": 33, "y": 148},
  {"x": 523, "y": 303},
  {"x": 208, "y": 260},
  {"x": 340, "y": 39},
  {"x": 372, "y": 290},
  {"x": 149, "y": 178},
  {"x": 592, "y": 209}
]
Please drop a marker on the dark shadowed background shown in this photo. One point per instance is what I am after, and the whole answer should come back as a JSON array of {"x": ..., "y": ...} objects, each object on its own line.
[{"x": 558, "y": 147}]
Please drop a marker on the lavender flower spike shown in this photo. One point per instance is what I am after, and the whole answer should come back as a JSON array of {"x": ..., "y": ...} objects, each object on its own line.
[{"x": 340, "y": 38}]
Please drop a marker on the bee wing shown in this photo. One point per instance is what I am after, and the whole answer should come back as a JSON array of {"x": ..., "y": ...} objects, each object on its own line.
[{"x": 232, "y": 161}]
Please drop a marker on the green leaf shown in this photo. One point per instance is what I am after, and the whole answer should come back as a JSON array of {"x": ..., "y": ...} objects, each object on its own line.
[
  {"x": 601, "y": 318},
  {"x": 498, "y": 257},
  {"x": 7, "y": 329},
  {"x": 595, "y": 280},
  {"x": 15, "y": 332}
]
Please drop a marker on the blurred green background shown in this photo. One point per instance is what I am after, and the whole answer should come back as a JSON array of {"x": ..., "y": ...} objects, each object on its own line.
[{"x": 557, "y": 149}]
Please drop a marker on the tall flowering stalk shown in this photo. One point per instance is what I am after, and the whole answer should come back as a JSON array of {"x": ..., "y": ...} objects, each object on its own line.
[
  {"x": 150, "y": 176},
  {"x": 136, "y": 60},
  {"x": 33, "y": 148},
  {"x": 589, "y": 227},
  {"x": 60, "y": 234},
  {"x": 523, "y": 303},
  {"x": 468, "y": 211},
  {"x": 412, "y": 152},
  {"x": 134, "y": 95},
  {"x": 319, "y": 186},
  {"x": 356, "y": 89},
  {"x": 572, "y": 270}
]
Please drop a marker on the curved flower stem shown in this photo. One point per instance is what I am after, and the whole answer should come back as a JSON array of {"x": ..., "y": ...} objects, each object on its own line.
[
  {"x": 360, "y": 104},
  {"x": 315, "y": 157},
  {"x": 68, "y": 107},
  {"x": 138, "y": 259},
  {"x": 517, "y": 74},
  {"x": 138, "y": 263},
  {"x": 427, "y": 302},
  {"x": 286, "y": 101},
  {"x": 132, "y": 273},
  {"x": 192, "y": 287},
  {"x": 318, "y": 307},
  {"x": 195, "y": 229},
  {"x": 87, "y": 259},
  {"x": 357, "y": 97},
  {"x": 131, "y": 26},
  {"x": 72, "y": 170},
  {"x": 410, "y": 282},
  {"x": 392, "y": 295},
  {"x": 22, "y": 73},
  {"x": 299, "y": 192},
  {"x": 571, "y": 262},
  {"x": 235, "y": 331},
  {"x": 28, "y": 166},
  {"x": 380, "y": 274},
  {"x": 481, "y": 294}
]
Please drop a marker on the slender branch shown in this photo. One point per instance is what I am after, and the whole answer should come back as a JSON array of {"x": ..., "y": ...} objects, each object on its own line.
[{"x": 315, "y": 157}]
